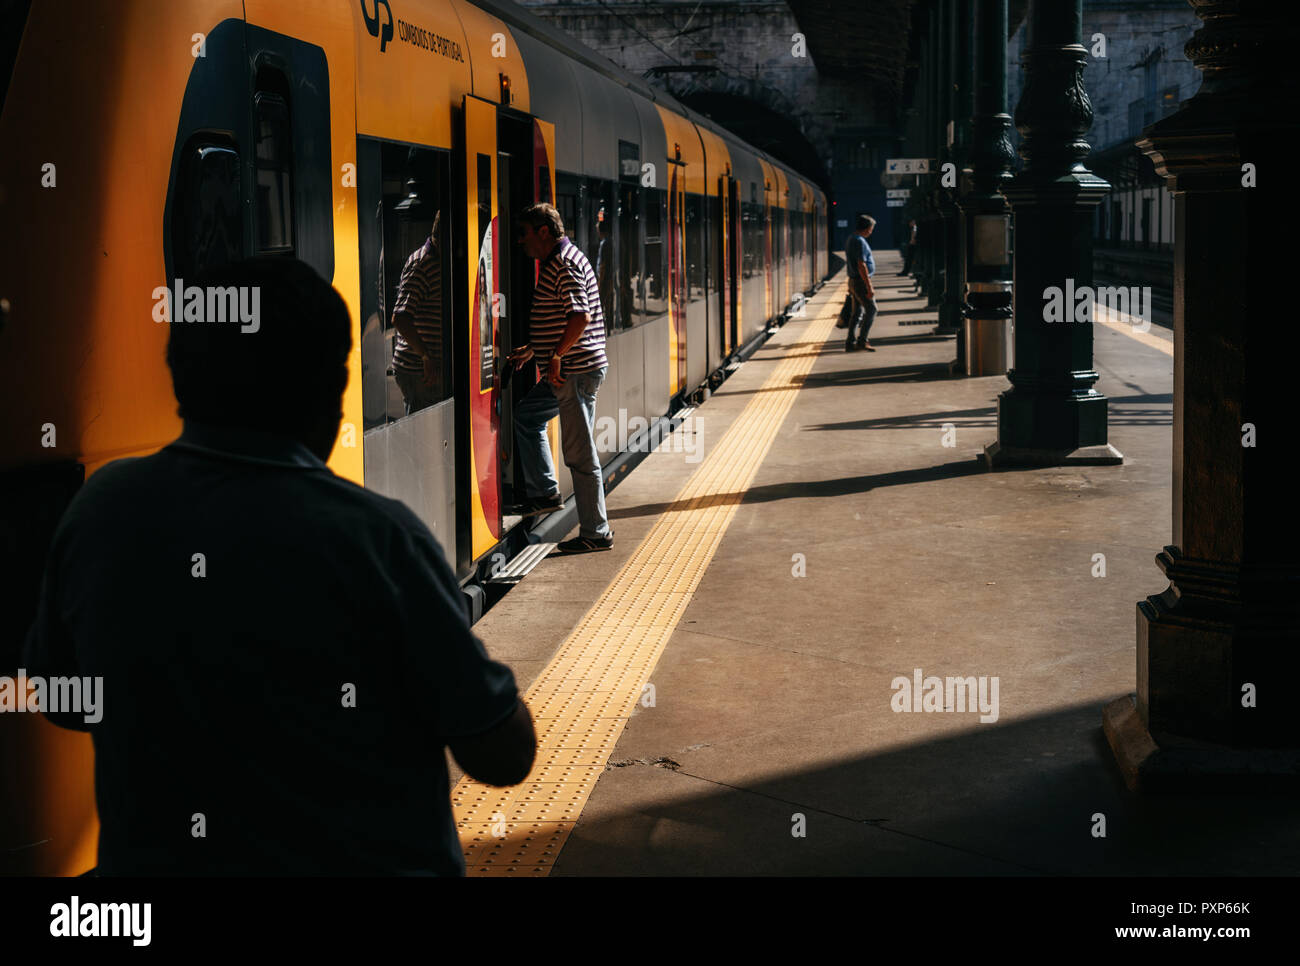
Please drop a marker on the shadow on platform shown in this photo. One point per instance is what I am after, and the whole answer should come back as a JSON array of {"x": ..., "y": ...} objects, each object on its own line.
[
  {"x": 821, "y": 488},
  {"x": 1015, "y": 798}
]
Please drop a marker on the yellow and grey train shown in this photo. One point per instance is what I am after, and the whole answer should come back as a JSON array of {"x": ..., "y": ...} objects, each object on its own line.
[{"x": 142, "y": 141}]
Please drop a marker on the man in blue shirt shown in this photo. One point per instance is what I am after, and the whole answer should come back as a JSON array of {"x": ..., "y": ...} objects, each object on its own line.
[
  {"x": 861, "y": 266},
  {"x": 283, "y": 655}
]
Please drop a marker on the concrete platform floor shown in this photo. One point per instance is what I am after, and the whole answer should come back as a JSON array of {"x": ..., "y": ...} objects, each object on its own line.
[{"x": 773, "y": 696}]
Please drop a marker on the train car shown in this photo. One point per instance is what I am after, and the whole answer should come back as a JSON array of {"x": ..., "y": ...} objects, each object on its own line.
[{"x": 143, "y": 142}]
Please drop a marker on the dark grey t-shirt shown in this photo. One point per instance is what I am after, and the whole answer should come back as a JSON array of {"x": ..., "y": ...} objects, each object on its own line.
[
  {"x": 857, "y": 250},
  {"x": 227, "y": 678}
]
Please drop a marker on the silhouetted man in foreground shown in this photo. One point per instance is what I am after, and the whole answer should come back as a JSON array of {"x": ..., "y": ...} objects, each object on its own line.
[{"x": 283, "y": 654}]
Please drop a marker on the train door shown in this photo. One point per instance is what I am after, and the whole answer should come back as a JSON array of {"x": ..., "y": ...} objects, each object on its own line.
[
  {"x": 769, "y": 267},
  {"x": 541, "y": 172},
  {"x": 779, "y": 254},
  {"x": 525, "y": 175},
  {"x": 737, "y": 258},
  {"x": 677, "y": 297},
  {"x": 726, "y": 241},
  {"x": 815, "y": 240},
  {"x": 790, "y": 270},
  {"x": 477, "y": 349}
]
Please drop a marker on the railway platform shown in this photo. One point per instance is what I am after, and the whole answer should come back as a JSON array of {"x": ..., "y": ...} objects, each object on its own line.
[{"x": 743, "y": 685}]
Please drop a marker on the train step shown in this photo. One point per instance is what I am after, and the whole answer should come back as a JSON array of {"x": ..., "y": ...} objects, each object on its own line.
[{"x": 520, "y": 565}]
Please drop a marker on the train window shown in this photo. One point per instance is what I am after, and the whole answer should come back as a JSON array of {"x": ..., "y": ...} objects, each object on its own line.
[
  {"x": 628, "y": 242},
  {"x": 206, "y": 224},
  {"x": 630, "y": 297},
  {"x": 601, "y": 252},
  {"x": 750, "y": 238},
  {"x": 402, "y": 241},
  {"x": 629, "y": 162},
  {"x": 567, "y": 202},
  {"x": 656, "y": 289},
  {"x": 273, "y": 173},
  {"x": 755, "y": 240},
  {"x": 694, "y": 247}
]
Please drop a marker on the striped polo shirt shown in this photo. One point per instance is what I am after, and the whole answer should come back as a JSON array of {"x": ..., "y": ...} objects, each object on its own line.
[
  {"x": 419, "y": 295},
  {"x": 567, "y": 284}
]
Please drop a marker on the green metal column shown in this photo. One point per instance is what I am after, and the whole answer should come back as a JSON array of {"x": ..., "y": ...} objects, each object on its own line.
[
  {"x": 984, "y": 345},
  {"x": 962, "y": 145},
  {"x": 931, "y": 222},
  {"x": 945, "y": 208},
  {"x": 1052, "y": 415},
  {"x": 957, "y": 57}
]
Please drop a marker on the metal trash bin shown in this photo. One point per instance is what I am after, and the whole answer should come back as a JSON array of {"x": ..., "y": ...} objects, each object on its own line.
[
  {"x": 987, "y": 345},
  {"x": 988, "y": 340}
]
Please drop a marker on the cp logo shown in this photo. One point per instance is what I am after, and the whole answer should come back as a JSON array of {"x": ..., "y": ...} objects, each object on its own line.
[{"x": 372, "y": 23}]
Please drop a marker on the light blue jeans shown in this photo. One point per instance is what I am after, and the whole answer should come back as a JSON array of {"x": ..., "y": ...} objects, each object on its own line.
[{"x": 575, "y": 402}]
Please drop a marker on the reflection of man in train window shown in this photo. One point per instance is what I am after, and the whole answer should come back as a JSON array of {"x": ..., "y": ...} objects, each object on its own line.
[
  {"x": 487, "y": 346},
  {"x": 605, "y": 271},
  {"x": 628, "y": 244},
  {"x": 417, "y": 316}
]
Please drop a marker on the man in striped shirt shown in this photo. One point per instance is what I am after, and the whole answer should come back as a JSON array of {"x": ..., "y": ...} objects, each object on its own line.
[
  {"x": 417, "y": 316},
  {"x": 567, "y": 340}
]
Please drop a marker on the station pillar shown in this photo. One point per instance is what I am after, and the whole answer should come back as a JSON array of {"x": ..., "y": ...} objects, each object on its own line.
[
  {"x": 948, "y": 185},
  {"x": 1218, "y": 652},
  {"x": 932, "y": 224},
  {"x": 984, "y": 345},
  {"x": 1052, "y": 415}
]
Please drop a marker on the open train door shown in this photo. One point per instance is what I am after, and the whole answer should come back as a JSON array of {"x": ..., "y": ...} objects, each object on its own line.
[
  {"x": 543, "y": 176},
  {"x": 477, "y": 375},
  {"x": 525, "y": 175}
]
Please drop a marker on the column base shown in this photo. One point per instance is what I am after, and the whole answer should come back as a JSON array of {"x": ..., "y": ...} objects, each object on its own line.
[
  {"x": 1176, "y": 764},
  {"x": 996, "y": 455},
  {"x": 950, "y": 319}
]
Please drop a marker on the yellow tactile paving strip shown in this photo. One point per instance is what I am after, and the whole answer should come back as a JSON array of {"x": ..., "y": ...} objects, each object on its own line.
[
  {"x": 1130, "y": 325},
  {"x": 582, "y": 699}
]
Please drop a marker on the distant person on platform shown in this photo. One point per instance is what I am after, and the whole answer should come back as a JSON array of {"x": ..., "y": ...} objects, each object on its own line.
[
  {"x": 283, "y": 654},
  {"x": 566, "y": 336},
  {"x": 861, "y": 266},
  {"x": 909, "y": 248}
]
